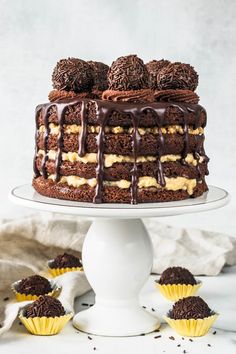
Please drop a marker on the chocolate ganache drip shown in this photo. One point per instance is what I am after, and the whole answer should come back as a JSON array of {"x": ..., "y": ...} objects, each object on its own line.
[{"x": 104, "y": 110}]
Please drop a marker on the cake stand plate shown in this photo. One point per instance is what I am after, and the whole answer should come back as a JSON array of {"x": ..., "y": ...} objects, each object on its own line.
[{"x": 117, "y": 255}]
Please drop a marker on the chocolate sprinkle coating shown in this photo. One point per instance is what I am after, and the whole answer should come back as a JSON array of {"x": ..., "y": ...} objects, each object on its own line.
[
  {"x": 128, "y": 73},
  {"x": 72, "y": 74},
  {"x": 100, "y": 71},
  {"x": 153, "y": 68},
  {"x": 177, "y": 275},
  {"x": 177, "y": 76},
  {"x": 46, "y": 306},
  {"x": 65, "y": 260},
  {"x": 192, "y": 307},
  {"x": 34, "y": 285}
]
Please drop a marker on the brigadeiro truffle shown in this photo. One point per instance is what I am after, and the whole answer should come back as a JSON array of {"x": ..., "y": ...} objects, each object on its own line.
[
  {"x": 190, "y": 307},
  {"x": 100, "y": 71},
  {"x": 153, "y": 68},
  {"x": 177, "y": 275},
  {"x": 177, "y": 76},
  {"x": 128, "y": 73},
  {"x": 65, "y": 260},
  {"x": 72, "y": 74},
  {"x": 45, "y": 306},
  {"x": 34, "y": 285}
]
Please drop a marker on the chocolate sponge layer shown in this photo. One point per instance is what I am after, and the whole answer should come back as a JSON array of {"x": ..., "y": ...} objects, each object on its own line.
[
  {"x": 121, "y": 144},
  {"x": 172, "y": 116},
  {"x": 123, "y": 170},
  {"x": 86, "y": 193}
]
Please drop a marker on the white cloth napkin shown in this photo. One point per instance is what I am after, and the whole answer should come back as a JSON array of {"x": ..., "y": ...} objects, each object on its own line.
[{"x": 26, "y": 244}]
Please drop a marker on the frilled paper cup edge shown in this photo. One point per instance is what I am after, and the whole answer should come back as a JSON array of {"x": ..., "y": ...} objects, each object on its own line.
[
  {"x": 45, "y": 326},
  {"x": 30, "y": 297},
  {"x": 174, "y": 292},
  {"x": 192, "y": 327},
  {"x": 59, "y": 271}
]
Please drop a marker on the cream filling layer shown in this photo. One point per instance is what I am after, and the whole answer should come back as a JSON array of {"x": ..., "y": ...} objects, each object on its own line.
[
  {"x": 172, "y": 184},
  {"x": 76, "y": 129},
  {"x": 110, "y": 159}
]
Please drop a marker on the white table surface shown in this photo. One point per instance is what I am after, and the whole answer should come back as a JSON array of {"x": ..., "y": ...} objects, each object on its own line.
[{"x": 219, "y": 292}]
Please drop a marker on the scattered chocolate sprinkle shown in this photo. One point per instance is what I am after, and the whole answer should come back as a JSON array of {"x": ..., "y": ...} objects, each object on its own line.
[
  {"x": 153, "y": 310},
  {"x": 177, "y": 275},
  {"x": 183, "y": 338},
  {"x": 190, "y": 339},
  {"x": 178, "y": 345},
  {"x": 177, "y": 76},
  {"x": 153, "y": 68},
  {"x": 172, "y": 338},
  {"x": 90, "y": 338},
  {"x": 156, "y": 330},
  {"x": 6, "y": 298},
  {"x": 184, "y": 351},
  {"x": 209, "y": 345},
  {"x": 94, "y": 348},
  {"x": 128, "y": 73},
  {"x": 100, "y": 71},
  {"x": 144, "y": 307},
  {"x": 34, "y": 285},
  {"x": 142, "y": 334},
  {"x": 72, "y": 74},
  {"x": 47, "y": 306},
  {"x": 65, "y": 260},
  {"x": 190, "y": 307},
  {"x": 214, "y": 332},
  {"x": 84, "y": 304},
  {"x": 157, "y": 337}
]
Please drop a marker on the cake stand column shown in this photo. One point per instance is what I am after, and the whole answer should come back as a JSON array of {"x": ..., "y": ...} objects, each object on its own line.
[{"x": 117, "y": 260}]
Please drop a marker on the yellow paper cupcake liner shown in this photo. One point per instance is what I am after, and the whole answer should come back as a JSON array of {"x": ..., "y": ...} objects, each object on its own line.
[
  {"x": 175, "y": 292},
  {"x": 45, "y": 326},
  {"x": 192, "y": 327},
  {"x": 29, "y": 297},
  {"x": 59, "y": 271}
]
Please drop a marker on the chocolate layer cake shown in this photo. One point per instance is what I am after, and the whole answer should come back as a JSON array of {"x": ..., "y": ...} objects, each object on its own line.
[{"x": 137, "y": 137}]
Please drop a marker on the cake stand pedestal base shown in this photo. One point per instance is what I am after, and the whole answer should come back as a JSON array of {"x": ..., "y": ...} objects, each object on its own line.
[{"x": 117, "y": 260}]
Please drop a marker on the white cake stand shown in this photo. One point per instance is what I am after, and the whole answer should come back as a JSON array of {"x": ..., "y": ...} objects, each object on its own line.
[{"x": 117, "y": 255}]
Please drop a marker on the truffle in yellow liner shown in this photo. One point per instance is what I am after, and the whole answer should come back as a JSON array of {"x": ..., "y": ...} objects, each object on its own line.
[
  {"x": 175, "y": 292},
  {"x": 64, "y": 263},
  {"x": 29, "y": 289},
  {"x": 191, "y": 316},
  {"x": 191, "y": 327},
  {"x": 45, "y": 317}
]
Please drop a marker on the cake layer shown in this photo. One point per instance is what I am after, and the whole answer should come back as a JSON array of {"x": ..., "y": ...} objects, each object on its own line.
[
  {"x": 123, "y": 170},
  {"x": 113, "y": 194},
  {"x": 123, "y": 143},
  {"x": 119, "y": 113}
]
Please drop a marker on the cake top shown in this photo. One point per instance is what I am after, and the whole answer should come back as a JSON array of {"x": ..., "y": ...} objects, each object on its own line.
[
  {"x": 46, "y": 306},
  {"x": 65, "y": 260},
  {"x": 128, "y": 79},
  {"x": 192, "y": 307},
  {"x": 34, "y": 285},
  {"x": 177, "y": 275}
]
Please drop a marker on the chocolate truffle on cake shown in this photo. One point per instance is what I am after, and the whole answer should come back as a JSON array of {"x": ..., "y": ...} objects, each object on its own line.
[
  {"x": 34, "y": 285},
  {"x": 65, "y": 260},
  {"x": 128, "y": 73},
  {"x": 153, "y": 68},
  {"x": 177, "y": 76},
  {"x": 177, "y": 275},
  {"x": 72, "y": 74},
  {"x": 190, "y": 307},
  {"x": 100, "y": 71},
  {"x": 45, "y": 306}
]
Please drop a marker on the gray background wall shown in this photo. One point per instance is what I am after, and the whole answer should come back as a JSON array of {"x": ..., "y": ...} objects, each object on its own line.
[{"x": 35, "y": 34}]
